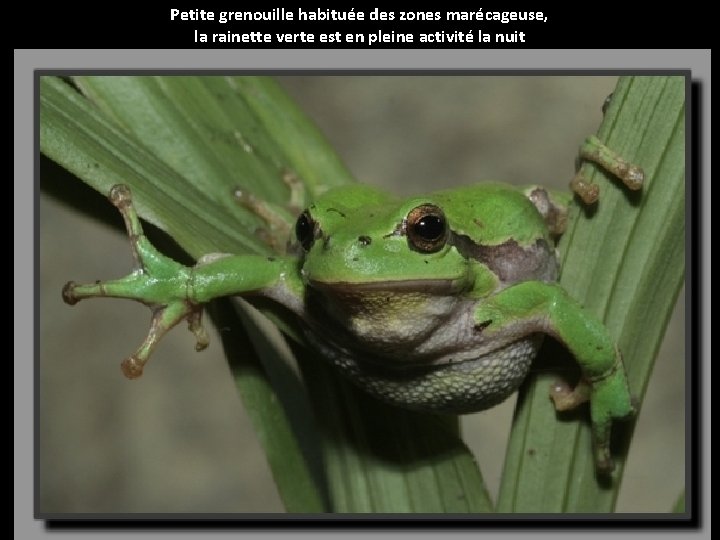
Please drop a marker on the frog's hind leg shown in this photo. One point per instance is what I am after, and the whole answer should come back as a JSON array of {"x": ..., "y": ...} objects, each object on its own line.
[
  {"x": 594, "y": 151},
  {"x": 552, "y": 205}
]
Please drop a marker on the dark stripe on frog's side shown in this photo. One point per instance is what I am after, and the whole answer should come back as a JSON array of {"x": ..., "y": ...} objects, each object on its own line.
[{"x": 510, "y": 261}]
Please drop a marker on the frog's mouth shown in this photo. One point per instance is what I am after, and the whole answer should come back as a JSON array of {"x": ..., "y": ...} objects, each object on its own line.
[{"x": 405, "y": 286}]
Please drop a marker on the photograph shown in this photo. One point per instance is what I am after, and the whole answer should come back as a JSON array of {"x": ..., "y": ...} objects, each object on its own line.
[{"x": 407, "y": 292}]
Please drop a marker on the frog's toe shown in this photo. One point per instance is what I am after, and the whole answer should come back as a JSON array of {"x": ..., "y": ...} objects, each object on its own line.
[
  {"x": 565, "y": 398},
  {"x": 68, "y": 293},
  {"x": 604, "y": 464},
  {"x": 132, "y": 367}
]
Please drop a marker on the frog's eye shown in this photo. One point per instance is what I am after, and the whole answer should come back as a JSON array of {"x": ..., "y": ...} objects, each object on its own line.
[
  {"x": 426, "y": 228},
  {"x": 305, "y": 230}
]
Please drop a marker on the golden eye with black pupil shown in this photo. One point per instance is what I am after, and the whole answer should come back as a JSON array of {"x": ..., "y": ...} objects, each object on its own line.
[
  {"x": 305, "y": 230},
  {"x": 426, "y": 228}
]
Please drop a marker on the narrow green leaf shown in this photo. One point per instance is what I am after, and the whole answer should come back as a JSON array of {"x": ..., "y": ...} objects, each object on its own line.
[
  {"x": 679, "y": 507},
  {"x": 625, "y": 262},
  {"x": 275, "y": 400},
  {"x": 384, "y": 459}
]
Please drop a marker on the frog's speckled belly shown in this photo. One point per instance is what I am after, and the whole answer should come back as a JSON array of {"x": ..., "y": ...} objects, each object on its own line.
[{"x": 468, "y": 386}]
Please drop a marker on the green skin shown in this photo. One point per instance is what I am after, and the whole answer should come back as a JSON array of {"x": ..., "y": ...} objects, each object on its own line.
[{"x": 435, "y": 303}]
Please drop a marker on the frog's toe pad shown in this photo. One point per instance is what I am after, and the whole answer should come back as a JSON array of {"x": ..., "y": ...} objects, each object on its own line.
[
  {"x": 68, "y": 294},
  {"x": 565, "y": 398},
  {"x": 132, "y": 367},
  {"x": 120, "y": 195},
  {"x": 604, "y": 464}
]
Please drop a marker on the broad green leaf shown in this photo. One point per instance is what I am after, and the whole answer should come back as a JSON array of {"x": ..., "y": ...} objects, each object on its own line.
[
  {"x": 221, "y": 132},
  {"x": 90, "y": 145},
  {"x": 624, "y": 261}
]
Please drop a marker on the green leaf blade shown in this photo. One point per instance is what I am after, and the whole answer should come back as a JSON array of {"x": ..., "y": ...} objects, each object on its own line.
[
  {"x": 87, "y": 143},
  {"x": 679, "y": 506},
  {"x": 623, "y": 261},
  {"x": 302, "y": 144},
  {"x": 192, "y": 125}
]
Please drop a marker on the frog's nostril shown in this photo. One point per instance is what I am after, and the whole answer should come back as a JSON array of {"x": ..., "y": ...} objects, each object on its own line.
[{"x": 364, "y": 240}]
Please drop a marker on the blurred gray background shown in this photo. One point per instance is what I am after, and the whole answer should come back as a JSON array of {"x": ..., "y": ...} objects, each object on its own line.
[{"x": 178, "y": 440}]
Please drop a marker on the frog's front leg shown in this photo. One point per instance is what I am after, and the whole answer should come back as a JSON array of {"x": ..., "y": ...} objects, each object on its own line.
[
  {"x": 175, "y": 292},
  {"x": 534, "y": 306}
]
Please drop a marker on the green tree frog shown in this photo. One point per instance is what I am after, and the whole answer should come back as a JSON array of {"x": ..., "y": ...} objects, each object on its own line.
[{"x": 437, "y": 302}]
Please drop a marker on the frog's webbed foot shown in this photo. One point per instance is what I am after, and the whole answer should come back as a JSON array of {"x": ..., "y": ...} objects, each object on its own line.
[
  {"x": 157, "y": 281},
  {"x": 163, "y": 320},
  {"x": 609, "y": 401},
  {"x": 596, "y": 152}
]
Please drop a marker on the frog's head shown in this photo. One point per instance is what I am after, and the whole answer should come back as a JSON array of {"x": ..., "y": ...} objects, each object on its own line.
[{"x": 366, "y": 240}]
